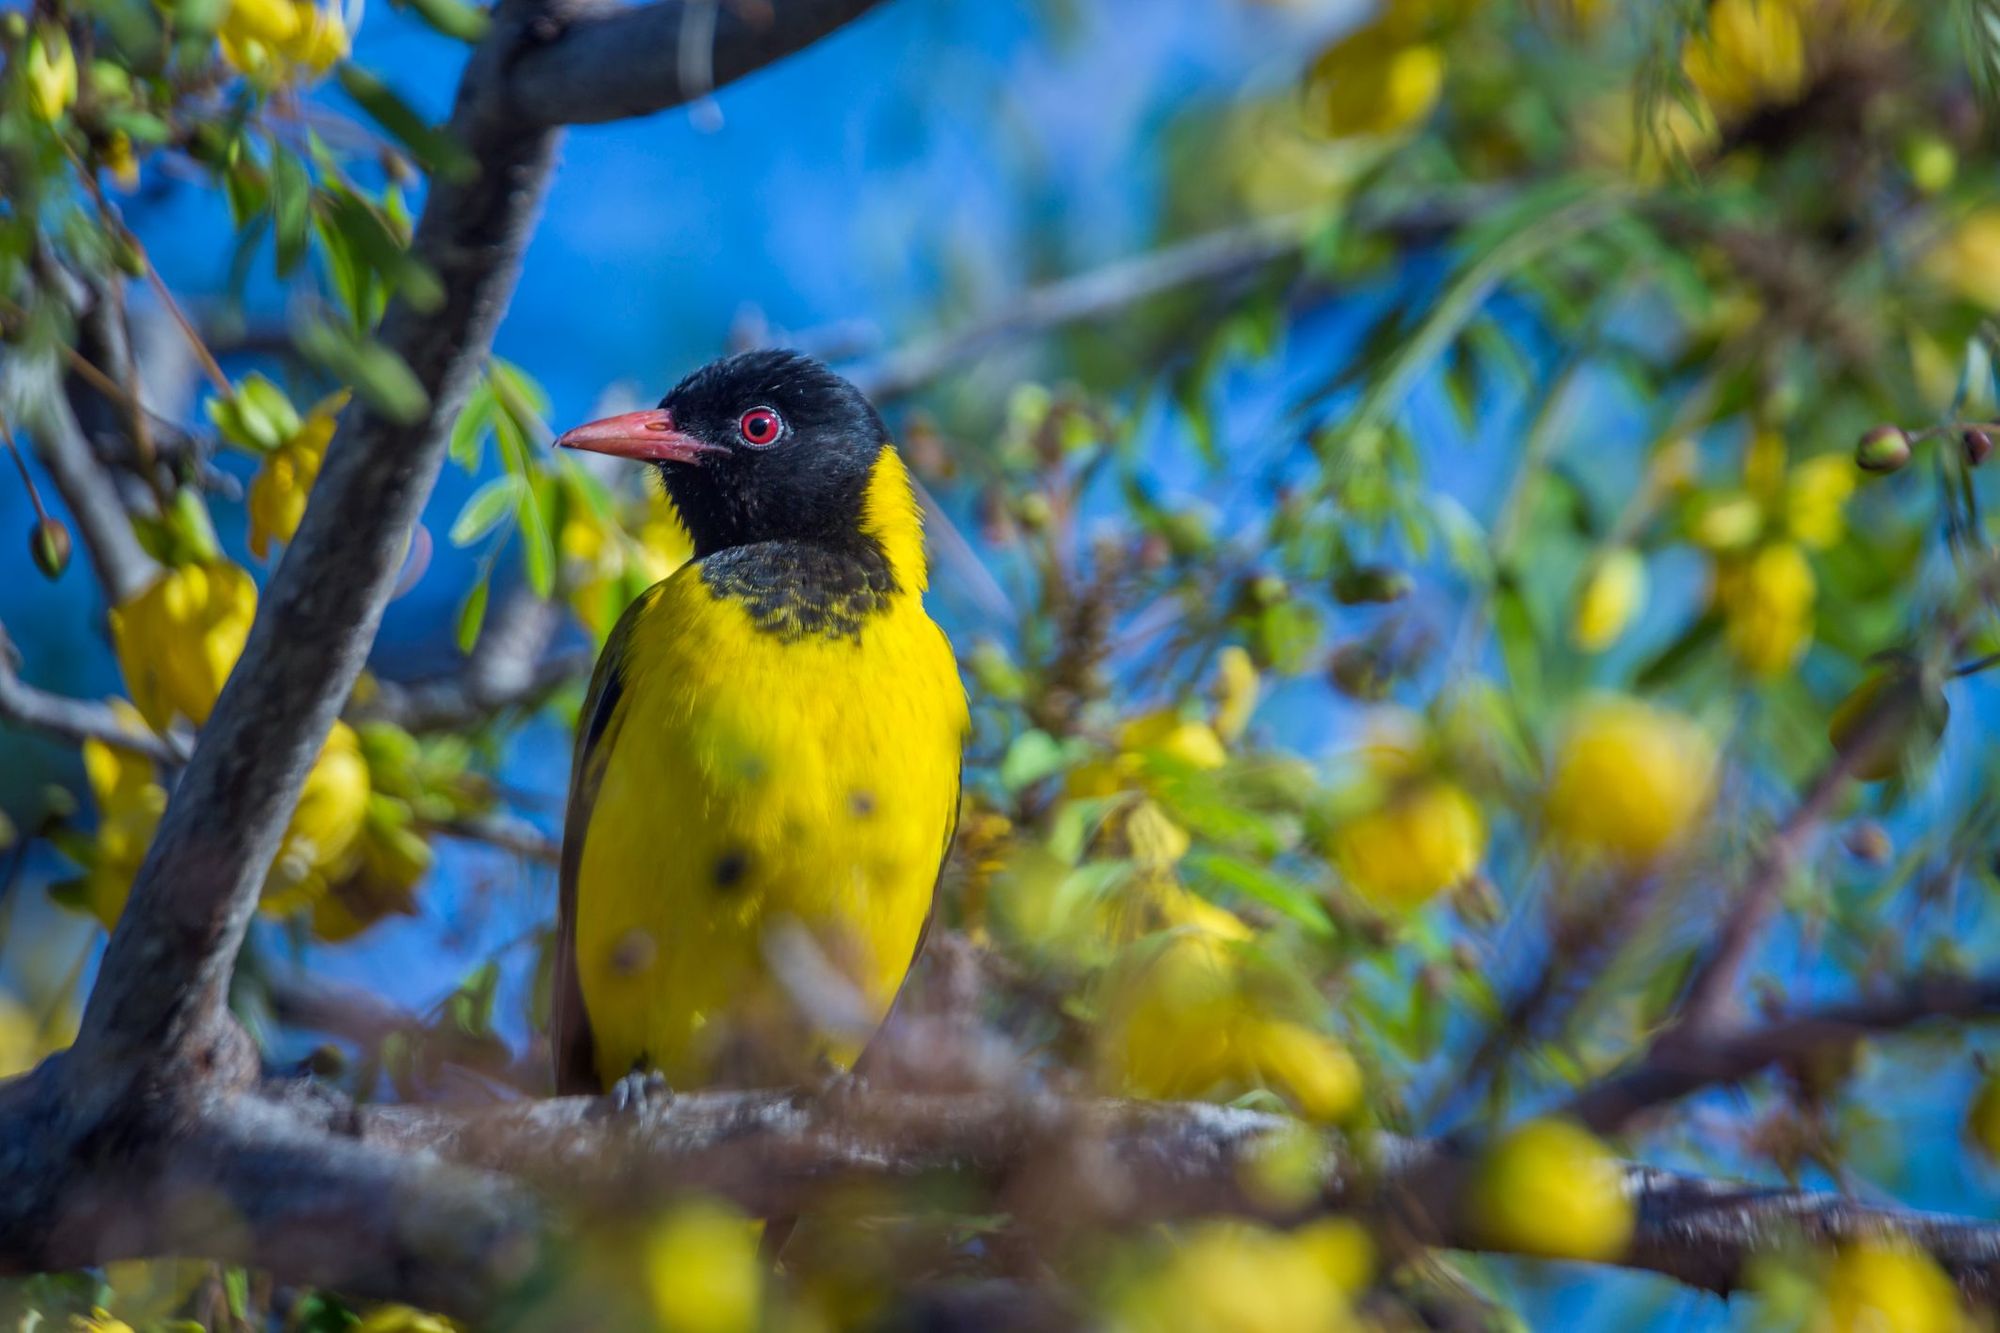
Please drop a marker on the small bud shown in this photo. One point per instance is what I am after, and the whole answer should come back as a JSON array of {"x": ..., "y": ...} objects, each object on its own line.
[
  {"x": 1868, "y": 842},
  {"x": 48, "y": 543},
  {"x": 1978, "y": 445},
  {"x": 1883, "y": 449},
  {"x": 1370, "y": 584},
  {"x": 1033, "y": 511}
]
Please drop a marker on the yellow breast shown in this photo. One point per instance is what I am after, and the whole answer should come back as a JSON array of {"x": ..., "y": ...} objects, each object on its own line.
[{"x": 762, "y": 851}]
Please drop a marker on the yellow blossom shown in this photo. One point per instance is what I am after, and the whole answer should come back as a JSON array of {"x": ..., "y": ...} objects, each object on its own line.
[
  {"x": 1767, "y": 608},
  {"x": 1425, "y": 837},
  {"x": 1549, "y": 1188},
  {"x": 278, "y": 493},
  {"x": 118, "y": 159},
  {"x": 1816, "y": 495},
  {"x": 379, "y": 875},
  {"x": 129, "y": 804},
  {"x": 1163, "y": 735},
  {"x": 1377, "y": 80},
  {"x": 612, "y": 568},
  {"x": 1231, "y": 1277},
  {"x": 324, "y": 826},
  {"x": 269, "y": 40},
  {"x": 1629, "y": 781},
  {"x": 1612, "y": 595},
  {"x": 1750, "y": 53},
  {"x": 1887, "y": 1285},
  {"x": 48, "y": 71},
  {"x": 1181, "y": 1019},
  {"x": 1235, "y": 692},
  {"x": 702, "y": 1271},
  {"x": 1966, "y": 260},
  {"x": 178, "y": 638}
]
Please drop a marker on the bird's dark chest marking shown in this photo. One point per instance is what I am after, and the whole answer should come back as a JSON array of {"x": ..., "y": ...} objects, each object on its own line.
[{"x": 801, "y": 590}]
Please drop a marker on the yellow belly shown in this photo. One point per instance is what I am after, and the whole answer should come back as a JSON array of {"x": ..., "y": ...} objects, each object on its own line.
[{"x": 763, "y": 848}]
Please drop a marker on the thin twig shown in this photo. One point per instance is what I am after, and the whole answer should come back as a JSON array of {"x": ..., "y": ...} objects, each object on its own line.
[{"x": 75, "y": 720}]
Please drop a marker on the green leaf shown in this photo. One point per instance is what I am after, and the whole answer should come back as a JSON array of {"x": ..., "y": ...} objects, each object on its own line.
[
  {"x": 440, "y": 154},
  {"x": 470, "y": 428},
  {"x": 376, "y": 373},
  {"x": 291, "y": 208},
  {"x": 1034, "y": 755},
  {"x": 377, "y": 243},
  {"x": 472, "y": 615},
  {"x": 486, "y": 509},
  {"x": 236, "y": 1285},
  {"x": 1261, "y": 884},
  {"x": 453, "y": 18}
]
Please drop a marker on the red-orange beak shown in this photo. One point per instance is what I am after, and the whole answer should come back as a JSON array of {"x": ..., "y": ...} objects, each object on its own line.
[{"x": 648, "y": 436}]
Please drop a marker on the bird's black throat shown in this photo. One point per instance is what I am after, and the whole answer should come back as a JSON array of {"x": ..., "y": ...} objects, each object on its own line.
[{"x": 805, "y": 589}]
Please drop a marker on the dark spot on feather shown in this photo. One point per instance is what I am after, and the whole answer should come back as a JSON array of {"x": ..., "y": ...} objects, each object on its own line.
[
  {"x": 730, "y": 868},
  {"x": 862, "y": 803},
  {"x": 635, "y": 951}
]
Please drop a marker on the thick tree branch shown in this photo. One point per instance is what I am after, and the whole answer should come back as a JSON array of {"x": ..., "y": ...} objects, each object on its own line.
[
  {"x": 611, "y": 61},
  {"x": 1675, "y": 1069}
]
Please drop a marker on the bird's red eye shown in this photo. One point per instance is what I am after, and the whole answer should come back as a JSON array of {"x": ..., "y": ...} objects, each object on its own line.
[{"x": 760, "y": 426}]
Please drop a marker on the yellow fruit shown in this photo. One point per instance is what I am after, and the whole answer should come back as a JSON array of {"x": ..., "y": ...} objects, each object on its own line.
[
  {"x": 1887, "y": 1286},
  {"x": 1612, "y": 595},
  {"x": 1426, "y": 837},
  {"x": 178, "y": 638},
  {"x": 277, "y": 497},
  {"x": 1767, "y": 608},
  {"x": 129, "y": 804},
  {"x": 1549, "y": 1188},
  {"x": 1629, "y": 781}
]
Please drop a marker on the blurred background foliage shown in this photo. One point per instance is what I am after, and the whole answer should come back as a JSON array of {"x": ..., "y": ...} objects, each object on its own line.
[{"x": 1500, "y": 449}]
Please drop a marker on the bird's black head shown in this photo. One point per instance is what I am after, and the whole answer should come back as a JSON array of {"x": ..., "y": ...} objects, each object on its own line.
[{"x": 762, "y": 446}]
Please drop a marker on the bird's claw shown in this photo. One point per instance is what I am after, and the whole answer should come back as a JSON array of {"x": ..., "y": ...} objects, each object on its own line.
[{"x": 636, "y": 1092}]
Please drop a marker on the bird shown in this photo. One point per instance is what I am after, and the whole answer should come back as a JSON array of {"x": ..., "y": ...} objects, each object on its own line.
[{"x": 767, "y": 769}]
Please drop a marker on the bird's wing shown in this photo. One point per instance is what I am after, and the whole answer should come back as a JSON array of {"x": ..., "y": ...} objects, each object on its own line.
[{"x": 574, "y": 1046}]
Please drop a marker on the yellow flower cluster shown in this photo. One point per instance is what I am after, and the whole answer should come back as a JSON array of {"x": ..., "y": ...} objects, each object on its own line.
[
  {"x": 611, "y": 568},
  {"x": 178, "y": 638},
  {"x": 48, "y": 71},
  {"x": 1757, "y": 53},
  {"x": 1183, "y": 1017},
  {"x": 1231, "y": 1277},
  {"x": 272, "y": 41},
  {"x": 1549, "y": 1188},
  {"x": 278, "y": 493},
  {"x": 1613, "y": 594},
  {"x": 1416, "y": 832},
  {"x": 1629, "y": 782},
  {"x": 1763, "y": 582}
]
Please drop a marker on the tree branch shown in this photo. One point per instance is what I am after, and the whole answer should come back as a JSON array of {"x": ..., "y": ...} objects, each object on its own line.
[
  {"x": 73, "y": 720},
  {"x": 1675, "y": 1069},
  {"x": 508, "y": 668},
  {"x": 612, "y": 61},
  {"x": 123, "y": 568}
]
